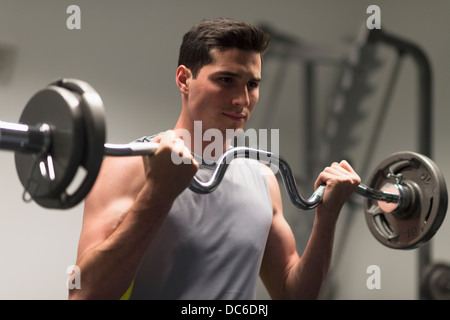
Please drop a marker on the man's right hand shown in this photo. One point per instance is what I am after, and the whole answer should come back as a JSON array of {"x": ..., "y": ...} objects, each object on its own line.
[{"x": 168, "y": 178}]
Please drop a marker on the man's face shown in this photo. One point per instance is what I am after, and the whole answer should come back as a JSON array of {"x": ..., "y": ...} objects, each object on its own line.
[{"x": 225, "y": 92}]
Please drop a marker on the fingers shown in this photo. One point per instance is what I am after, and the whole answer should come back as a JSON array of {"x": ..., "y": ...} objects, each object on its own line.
[
  {"x": 169, "y": 142},
  {"x": 342, "y": 171},
  {"x": 171, "y": 168},
  {"x": 179, "y": 148},
  {"x": 340, "y": 180},
  {"x": 167, "y": 138},
  {"x": 339, "y": 169},
  {"x": 345, "y": 165}
]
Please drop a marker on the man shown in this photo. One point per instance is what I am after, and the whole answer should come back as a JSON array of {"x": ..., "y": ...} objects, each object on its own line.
[{"x": 143, "y": 229}]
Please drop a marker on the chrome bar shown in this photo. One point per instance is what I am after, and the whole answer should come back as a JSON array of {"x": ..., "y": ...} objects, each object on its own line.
[
  {"x": 269, "y": 158},
  {"x": 287, "y": 176},
  {"x": 379, "y": 195},
  {"x": 23, "y": 138},
  {"x": 130, "y": 149}
]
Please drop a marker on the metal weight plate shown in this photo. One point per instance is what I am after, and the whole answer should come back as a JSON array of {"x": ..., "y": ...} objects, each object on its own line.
[
  {"x": 93, "y": 116},
  {"x": 420, "y": 218},
  {"x": 75, "y": 113},
  {"x": 46, "y": 176}
]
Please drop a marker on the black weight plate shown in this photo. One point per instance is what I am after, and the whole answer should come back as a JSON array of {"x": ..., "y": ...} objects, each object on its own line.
[
  {"x": 92, "y": 109},
  {"x": 424, "y": 216},
  {"x": 47, "y": 176}
]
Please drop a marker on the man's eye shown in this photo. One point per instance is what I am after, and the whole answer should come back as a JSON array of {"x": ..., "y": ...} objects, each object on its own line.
[
  {"x": 253, "y": 84},
  {"x": 226, "y": 80}
]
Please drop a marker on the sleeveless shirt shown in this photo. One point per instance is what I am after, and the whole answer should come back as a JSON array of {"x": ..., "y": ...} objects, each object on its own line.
[{"x": 210, "y": 246}]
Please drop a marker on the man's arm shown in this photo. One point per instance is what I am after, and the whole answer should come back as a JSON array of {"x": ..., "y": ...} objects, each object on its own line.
[
  {"x": 284, "y": 273},
  {"x": 123, "y": 212}
]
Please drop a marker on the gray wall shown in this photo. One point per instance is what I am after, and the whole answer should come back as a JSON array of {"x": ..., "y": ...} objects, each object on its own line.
[{"x": 127, "y": 50}]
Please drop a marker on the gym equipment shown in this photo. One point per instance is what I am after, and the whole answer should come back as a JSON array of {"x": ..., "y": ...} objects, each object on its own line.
[
  {"x": 435, "y": 282},
  {"x": 416, "y": 218},
  {"x": 62, "y": 129}
]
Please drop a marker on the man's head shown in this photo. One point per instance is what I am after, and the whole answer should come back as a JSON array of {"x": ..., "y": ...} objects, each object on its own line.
[
  {"x": 219, "y": 74},
  {"x": 221, "y": 34}
]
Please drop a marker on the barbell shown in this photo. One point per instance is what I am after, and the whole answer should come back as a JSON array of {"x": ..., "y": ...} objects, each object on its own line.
[{"x": 62, "y": 130}]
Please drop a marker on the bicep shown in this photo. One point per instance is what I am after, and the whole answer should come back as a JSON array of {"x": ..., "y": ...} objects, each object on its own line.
[
  {"x": 280, "y": 252},
  {"x": 109, "y": 200}
]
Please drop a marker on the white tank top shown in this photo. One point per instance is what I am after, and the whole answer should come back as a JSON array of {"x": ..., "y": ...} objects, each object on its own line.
[{"x": 210, "y": 246}]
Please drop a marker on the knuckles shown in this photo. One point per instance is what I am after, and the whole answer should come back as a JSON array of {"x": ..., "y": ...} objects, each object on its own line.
[{"x": 340, "y": 173}]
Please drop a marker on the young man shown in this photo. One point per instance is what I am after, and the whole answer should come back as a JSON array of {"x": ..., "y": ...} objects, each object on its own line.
[{"x": 143, "y": 228}]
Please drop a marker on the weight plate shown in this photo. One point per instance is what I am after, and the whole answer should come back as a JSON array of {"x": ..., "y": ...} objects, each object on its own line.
[
  {"x": 74, "y": 111},
  {"x": 46, "y": 176},
  {"x": 93, "y": 116},
  {"x": 417, "y": 223}
]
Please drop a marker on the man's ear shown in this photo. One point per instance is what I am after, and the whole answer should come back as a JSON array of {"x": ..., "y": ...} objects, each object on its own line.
[{"x": 183, "y": 76}]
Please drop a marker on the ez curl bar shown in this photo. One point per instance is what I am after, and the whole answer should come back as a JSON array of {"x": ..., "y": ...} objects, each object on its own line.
[{"x": 62, "y": 129}]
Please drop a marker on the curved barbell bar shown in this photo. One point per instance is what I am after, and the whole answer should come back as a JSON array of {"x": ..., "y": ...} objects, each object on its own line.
[{"x": 267, "y": 157}]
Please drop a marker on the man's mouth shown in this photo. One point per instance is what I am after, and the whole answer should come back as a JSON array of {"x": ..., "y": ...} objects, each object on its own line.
[{"x": 234, "y": 116}]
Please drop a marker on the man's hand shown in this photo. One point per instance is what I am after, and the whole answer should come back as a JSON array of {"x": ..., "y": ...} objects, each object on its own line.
[
  {"x": 169, "y": 179},
  {"x": 341, "y": 181}
]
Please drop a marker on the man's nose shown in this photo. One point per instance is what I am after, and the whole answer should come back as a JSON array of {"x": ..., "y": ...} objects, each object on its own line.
[{"x": 241, "y": 97}]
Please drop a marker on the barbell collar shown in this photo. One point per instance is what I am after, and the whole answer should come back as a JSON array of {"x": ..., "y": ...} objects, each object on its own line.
[{"x": 379, "y": 195}]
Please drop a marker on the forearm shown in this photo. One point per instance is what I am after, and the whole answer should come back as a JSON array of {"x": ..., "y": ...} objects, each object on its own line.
[
  {"x": 108, "y": 270},
  {"x": 306, "y": 276}
]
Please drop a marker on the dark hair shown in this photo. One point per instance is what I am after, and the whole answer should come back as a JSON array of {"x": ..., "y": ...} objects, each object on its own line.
[{"x": 219, "y": 33}]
